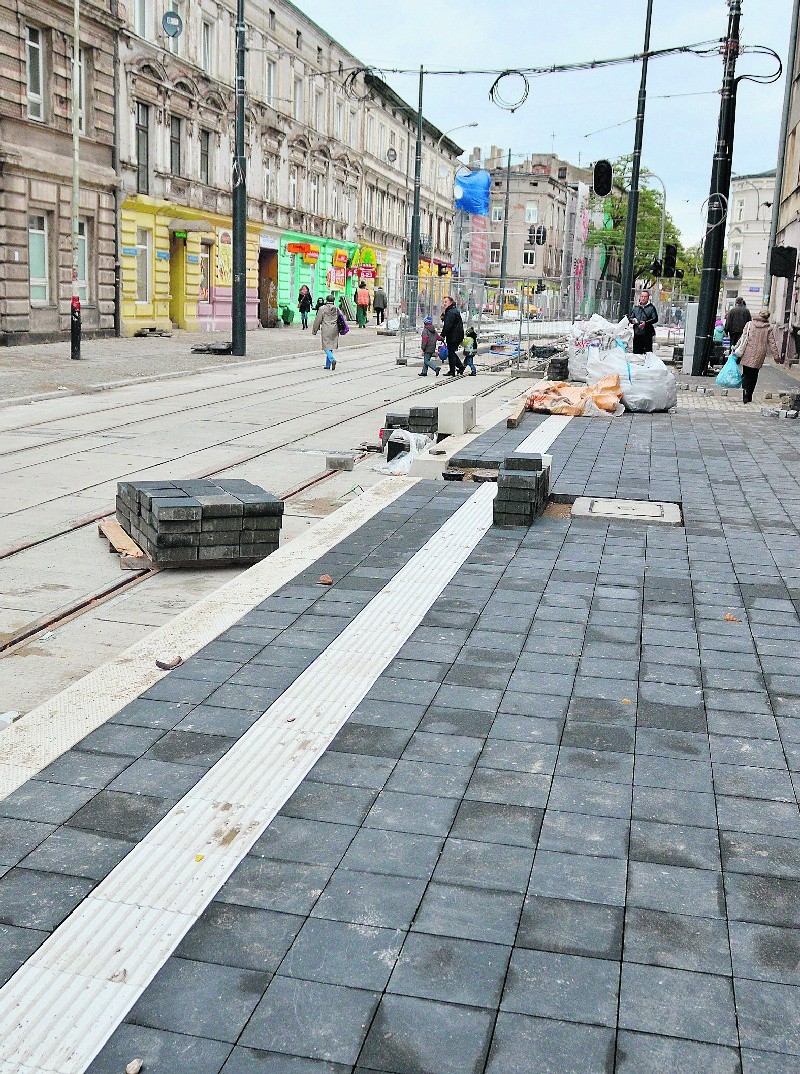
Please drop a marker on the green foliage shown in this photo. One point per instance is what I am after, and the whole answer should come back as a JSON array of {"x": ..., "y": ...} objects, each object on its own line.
[{"x": 648, "y": 227}]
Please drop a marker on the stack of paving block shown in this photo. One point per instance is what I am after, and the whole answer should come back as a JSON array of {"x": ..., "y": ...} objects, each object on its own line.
[
  {"x": 423, "y": 419},
  {"x": 558, "y": 368},
  {"x": 393, "y": 421},
  {"x": 523, "y": 486},
  {"x": 208, "y": 522}
]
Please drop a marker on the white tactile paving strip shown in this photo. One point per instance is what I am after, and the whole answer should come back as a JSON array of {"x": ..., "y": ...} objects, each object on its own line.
[
  {"x": 545, "y": 434},
  {"x": 61, "y": 1007}
]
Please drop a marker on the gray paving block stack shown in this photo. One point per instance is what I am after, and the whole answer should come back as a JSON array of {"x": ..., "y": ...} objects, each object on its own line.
[
  {"x": 179, "y": 523},
  {"x": 523, "y": 487},
  {"x": 423, "y": 419},
  {"x": 393, "y": 421}
]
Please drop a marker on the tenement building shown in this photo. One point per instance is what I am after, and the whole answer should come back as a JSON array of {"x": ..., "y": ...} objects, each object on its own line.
[{"x": 36, "y": 51}]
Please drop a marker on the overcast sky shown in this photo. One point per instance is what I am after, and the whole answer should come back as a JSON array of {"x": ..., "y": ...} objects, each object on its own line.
[{"x": 563, "y": 109}]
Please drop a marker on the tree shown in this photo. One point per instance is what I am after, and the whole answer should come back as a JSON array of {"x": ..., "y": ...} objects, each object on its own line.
[{"x": 648, "y": 225}]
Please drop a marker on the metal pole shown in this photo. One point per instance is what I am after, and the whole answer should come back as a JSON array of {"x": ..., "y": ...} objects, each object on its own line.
[
  {"x": 239, "y": 198},
  {"x": 791, "y": 71},
  {"x": 504, "y": 254},
  {"x": 627, "y": 280},
  {"x": 651, "y": 175},
  {"x": 413, "y": 262},
  {"x": 75, "y": 305},
  {"x": 714, "y": 248}
]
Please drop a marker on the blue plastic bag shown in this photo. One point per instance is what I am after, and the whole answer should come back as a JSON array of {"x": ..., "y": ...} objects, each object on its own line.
[
  {"x": 472, "y": 193},
  {"x": 729, "y": 376}
]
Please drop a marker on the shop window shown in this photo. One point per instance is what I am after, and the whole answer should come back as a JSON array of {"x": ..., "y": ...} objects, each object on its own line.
[
  {"x": 34, "y": 56},
  {"x": 38, "y": 260},
  {"x": 144, "y": 249}
]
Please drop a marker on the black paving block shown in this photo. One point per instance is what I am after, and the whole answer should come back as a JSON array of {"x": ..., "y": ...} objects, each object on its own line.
[
  {"x": 144, "y": 713},
  {"x": 342, "y": 953},
  {"x": 311, "y": 1019},
  {"x": 287, "y": 887},
  {"x": 332, "y": 802},
  {"x": 446, "y": 1038},
  {"x": 571, "y": 927},
  {"x": 372, "y": 899},
  {"x": 255, "y": 1061},
  {"x": 352, "y": 770},
  {"x": 308, "y": 841},
  {"x": 159, "y": 778},
  {"x": 38, "y": 900},
  {"x": 508, "y": 788},
  {"x": 569, "y": 987},
  {"x": 116, "y": 813},
  {"x": 177, "y": 1053},
  {"x": 595, "y": 798},
  {"x": 484, "y": 865},
  {"x": 681, "y": 941},
  {"x": 372, "y": 741},
  {"x": 123, "y": 740},
  {"x": 47, "y": 803},
  {"x": 190, "y": 748},
  {"x": 492, "y": 822},
  {"x": 573, "y": 833},
  {"x": 429, "y": 778},
  {"x": 246, "y": 937},
  {"x": 393, "y": 853},
  {"x": 647, "y": 1053},
  {"x": 675, "y": 889},
  {"x": 765, "y": 953},
  {"x": 672, "y": 844},
  {"x": 74, "y": 852},
  {"x": 769, "y": 1017},
  {"x": 17, "y": 945},
  {"x": 19, "y": 837},
  {"x": 78, "y": 769},
  {"x": 557, "y": 1045},
  {"x": 470, "y": 913},
  {"x": 764, "y": 855},
  {"x": 451, "y": 970},
  {"x": 403, "y": 812},
  {"x": 577, "y": 876}
]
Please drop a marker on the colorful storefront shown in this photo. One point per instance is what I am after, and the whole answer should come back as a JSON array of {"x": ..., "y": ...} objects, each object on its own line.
[
  {"x": 177, "y": 267},
  {"x": 323, "y": 265}
]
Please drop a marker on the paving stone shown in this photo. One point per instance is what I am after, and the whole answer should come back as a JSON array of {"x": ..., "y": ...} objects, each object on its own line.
[
  {"x": 240, "y": 936},
  {"x": 469, "y": 913},
  {"x": 343, "y": 953},
  {"x": 765, "y": 953},
  {"x": 200, "y": 998},
  {"x": 74, "y": 852},
  {"x": 765, "y": 855},
  {"x": 678, "y": 1003},
  {"x": 38, "y": 900},
  {"x": 568, "y": 987},
  {"x": 329, "y": 802},
  {"x": 151, "y": 713},
  {"x": 484, "y": 865},
  {"x": 769, "y": 1016},
  {"x": 679, "y": 806},
  {"x": 451, "y": 970},
  {"x": 496, "y": 823},
  {"x": 580, "y": 834},
  {"x": 576, "y": 876},
  {"x": 769, "y": 900},
  {"x": 402, "y": 812},
  {"x": 187, "y": 747},
  {"x": 17, "y": 945},
  {"x": 130, "y": 816},
  {"x": 352, "y": 770},
  {"x": 591, "y": 797},
  {"x": 177, "y": 1053},
  {"x": 78, "y": 769},
  {"x": 373, "y": 899},
  {"x": 19, "y": 837},
  {"x": 560, "y": 1047},
  {"x": 307, "y": 841},
  {"x": 287, "y": 887},
  {"x": 646, "y": 1053},
  {"x": 758, "y": 1062},
  {"x": 508, "y": 788},
  {"x": 445, "y": 721},
  {"x": 567, "y": 926},
  {"x": 46, "y": 803},
  {"x": 672, "y": 844},
  {"x": 677, "y": 940},
  {"x": 533, "y": 758},
  {"x": 446, "y": 1038},
  {"x": 393, "y": 853},
  {"x": 436, "y": 780}
]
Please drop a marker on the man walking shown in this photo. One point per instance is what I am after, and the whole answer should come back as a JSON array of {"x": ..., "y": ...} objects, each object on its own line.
[
  {"x": 644, "y": 319},
  {"x": 453, "y": 335},
  {"x": 379, "y": 304},
  {"x": 362, "y": 305},
  {"x": 737, "y": 318}
]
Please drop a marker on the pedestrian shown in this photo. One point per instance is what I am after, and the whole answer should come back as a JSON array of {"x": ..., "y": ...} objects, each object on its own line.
[
  {"x": 737, "y": 318},
  {"x": 719, "y": 331},
  {"x": 304, "y": 303},
  {"x": 470, "y": 349},
  {"x": 453, "y": 335},
  {"x": 644, "y": 319},
  {"x": 362, "y": 304},
  {"x": 327, "y": 324},
  {"x": 379, "y": 304},
  {"x": 429, "y": 340},
  {"x": 751, "y": 351},
  {"x": 320, "y": 304}
]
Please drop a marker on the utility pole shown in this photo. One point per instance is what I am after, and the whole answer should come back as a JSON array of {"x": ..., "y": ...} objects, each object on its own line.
[
  {"x": 413, "y": 261},
  {"x": 75, "y": 304},
  {"x": 627, "y": 281},
  {"x": 714, "y": 247},
  {"x": 239, "y": 199},
  {"x": 791, "y": 72},
  {"x": 504, "y": 254}
]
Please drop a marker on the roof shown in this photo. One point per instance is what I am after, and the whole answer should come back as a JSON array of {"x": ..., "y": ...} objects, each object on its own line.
[
  {"x": 755, "y": 175},
  {"x": 389, "y": 95}
]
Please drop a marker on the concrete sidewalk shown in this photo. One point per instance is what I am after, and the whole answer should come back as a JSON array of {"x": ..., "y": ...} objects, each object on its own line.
[{"x": 559, "y": 833}]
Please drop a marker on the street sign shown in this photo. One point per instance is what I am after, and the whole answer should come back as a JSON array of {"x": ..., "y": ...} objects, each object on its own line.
[
  {"x": 391, "y": 154},
  {"x": 172, "y": 24}
]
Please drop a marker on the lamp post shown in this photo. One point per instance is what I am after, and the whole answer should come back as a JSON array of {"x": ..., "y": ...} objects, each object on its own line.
[
  {"x": 239, "y": 199},
  {"x": 434, "y": 229},
  {"x": 75, "y": 304},
  {"x": 652, "y": 175}
]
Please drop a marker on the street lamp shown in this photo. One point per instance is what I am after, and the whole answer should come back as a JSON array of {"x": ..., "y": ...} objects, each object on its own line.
[
  {"x": 434, "y": 229},
  {"x": 652, "y": 175}
]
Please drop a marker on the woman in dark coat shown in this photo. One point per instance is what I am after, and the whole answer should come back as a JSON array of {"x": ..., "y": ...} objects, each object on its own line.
[{"x": 304, "y": 303}]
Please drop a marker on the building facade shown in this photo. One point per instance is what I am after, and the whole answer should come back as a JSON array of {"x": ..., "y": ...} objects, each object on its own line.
[
  {"x": 36, "y": 232},
  {"x": 328, "y": 155},
  {"x": 785, "y": 298},
  {"x": 749, "y": 221}
]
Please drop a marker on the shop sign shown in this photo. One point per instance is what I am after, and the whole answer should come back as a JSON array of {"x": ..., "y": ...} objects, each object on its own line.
[
  {"x": 307, "y": 250},
  {"x": 340, "y": 258},
  {"x": 366, "y": 272},
  {"x": 129, "y": 251},
  {"x": 162, "y": 255},
  {"x": 193, "y": 259}
]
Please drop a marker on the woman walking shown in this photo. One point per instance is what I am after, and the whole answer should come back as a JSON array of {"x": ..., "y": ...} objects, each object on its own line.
[
  {"x": 751, "y": 351},
  {"x": 327, "y": 324},
  {"x": 304, "y": 302}
]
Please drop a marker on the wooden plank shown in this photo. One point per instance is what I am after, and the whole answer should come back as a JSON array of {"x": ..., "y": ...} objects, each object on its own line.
[
  {"x": 517, "y": 414},
  {"x": 132, "y": 558}
]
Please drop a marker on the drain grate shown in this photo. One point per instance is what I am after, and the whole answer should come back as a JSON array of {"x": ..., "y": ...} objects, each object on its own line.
[{"x": 646, "y": 511}]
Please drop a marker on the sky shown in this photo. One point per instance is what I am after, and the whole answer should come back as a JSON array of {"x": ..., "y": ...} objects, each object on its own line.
[{"x": 564, "y": 111}]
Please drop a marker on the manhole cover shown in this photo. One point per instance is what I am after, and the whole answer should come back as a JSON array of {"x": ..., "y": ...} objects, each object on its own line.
[{"x": 630, "y": 510}]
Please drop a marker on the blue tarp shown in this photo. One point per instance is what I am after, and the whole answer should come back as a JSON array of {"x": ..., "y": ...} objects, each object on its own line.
[{"x": 472, "y": 193}]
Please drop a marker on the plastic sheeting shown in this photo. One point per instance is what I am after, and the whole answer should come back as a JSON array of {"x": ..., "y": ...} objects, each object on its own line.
[
  {"x": 472, "y": 193},
  {"x": 601, "y": 398},
  {"x": 589, "y": 338}
]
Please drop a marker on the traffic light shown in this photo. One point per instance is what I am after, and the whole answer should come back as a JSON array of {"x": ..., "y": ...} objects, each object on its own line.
[
  {"x": 655, "y": 268},
  {"x": 670, "y": 255},
  {"x": 541, "y": 235},
  {"x": 531, "y": 235},
  {"x": 540, "y": 287},
  {"x": 678, "y": 273},
  {"x": 603, "y": 178}
]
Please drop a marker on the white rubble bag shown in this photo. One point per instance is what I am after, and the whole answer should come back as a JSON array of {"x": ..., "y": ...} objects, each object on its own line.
[
  {"x": 401, "y": 463},
  {"x": 647, "y": 385},
  {"x": 587, "y": 338}
]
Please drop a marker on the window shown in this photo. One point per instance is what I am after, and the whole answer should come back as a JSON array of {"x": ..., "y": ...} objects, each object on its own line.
[
  {"x": 35, "y": 72},
  {"x": 562, "y": 173},
  {"x": 298, "y": 39},
  {"x": 205, "y": 156},
  {"x": 319, "y": 113},
  {"x": 370, "y": 146},
  {"x": 353, "y": 130},
  {"x": 532, "y": 213},
  {"x": 293, "y": 186},
  {"x": 204, "y": 290},
  {"x": 271, "y": 19},
  {"x": 175, "y": 126},
  {"x": 319, "y": 55},
  {"x": 529, "y": 258},
  {"x": 140, "y": 18},
  {"x": 465, "y": 251},
  {"x": 338, "y": 128},
  {"x": 268, "y": 166},
  {"x": 143, "y": 244},
  {"x": 314, "y": 190},
  {"x": 368, "y": 204},
  {"x": 737, "y": 259},
  {"x": 497, "y": 212},
  {"x": 83, "y": 262},
  {"x": 38, "y": 269},
  {"x": 739, "y": 209},
  {"x": 270, "y": 77},
  {"x": 381, "y": 140},
  {"x": 298, "y": 99},
  {"x": 208, "y": 47},
  {"x": 494, "y": 254},
  {"x": 142, "y": 148},
  {"x": 336, "y": 201},
  {"x": 174, "y": 43}
]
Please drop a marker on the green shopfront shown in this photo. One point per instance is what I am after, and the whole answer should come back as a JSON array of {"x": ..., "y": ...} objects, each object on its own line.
[{"x": 321, "y": 264}]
